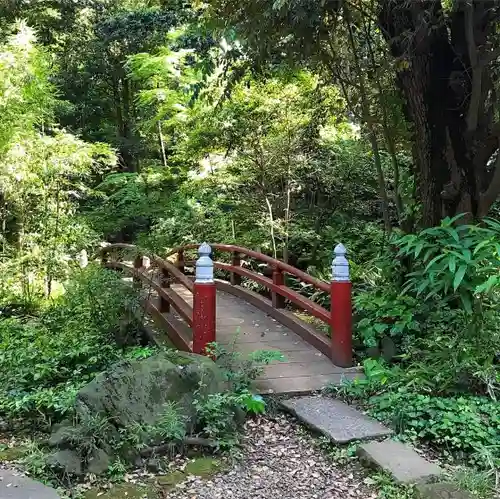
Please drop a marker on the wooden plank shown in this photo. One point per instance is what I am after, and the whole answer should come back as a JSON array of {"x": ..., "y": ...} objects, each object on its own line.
[
  {"x": 296, "y": 298},
  {"x": 306, "y": 332},
  {"x": 281, "y": 346},
  {"x": 289, "y": 370},
  {"x": 178, "y": 332},
  {"x": 302, "y": 385}
]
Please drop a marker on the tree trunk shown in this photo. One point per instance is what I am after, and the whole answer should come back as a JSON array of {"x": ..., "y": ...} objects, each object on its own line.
[{"x": 444, "y": 80}]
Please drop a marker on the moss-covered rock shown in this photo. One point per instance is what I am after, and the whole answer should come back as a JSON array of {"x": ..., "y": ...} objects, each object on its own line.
[
  {"x": 124, "y": 490},
  {"x": 136, "y": 392},
  {"x": 15, "y": 453}
]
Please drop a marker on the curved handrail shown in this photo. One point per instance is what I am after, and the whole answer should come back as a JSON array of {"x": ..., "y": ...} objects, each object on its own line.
[
  {"x": 276, "y": 284},
  {"x": 273, "y": 262},
  {"x": 183, "y": 308},
  {"x": 160, "y": 262}
]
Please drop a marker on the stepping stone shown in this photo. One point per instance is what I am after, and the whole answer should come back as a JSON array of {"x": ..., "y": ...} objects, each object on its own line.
[
  {"x": 334, "y": 419},
  {"x": 400, "y": 460},
  {"x": 13, "y": 486},
  {"x": 442, "y": 491}
]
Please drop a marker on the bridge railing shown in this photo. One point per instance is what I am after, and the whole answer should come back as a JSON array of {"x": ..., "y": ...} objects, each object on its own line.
[
  {"x": 338, "y": 318},
  {"x": 198, "y": 326},
  {"x": 156, "y": 276}
]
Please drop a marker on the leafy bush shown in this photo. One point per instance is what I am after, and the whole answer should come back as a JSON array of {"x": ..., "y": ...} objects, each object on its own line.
[
  {"x": 45, "y": 360},
  {"x": 386, "y": 315},
  {"x": 452, "y": 262},
  {"x": 221, "y": 414},
  {"x": 465, "y": 425}
]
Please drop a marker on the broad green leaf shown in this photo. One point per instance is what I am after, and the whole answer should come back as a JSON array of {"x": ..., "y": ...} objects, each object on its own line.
[
  {"x": 481, "y": 245},
  {"x": 459, "y": 276},
  {"x": 452, "y": 263},
  {"x": 466, "y": 302},
  {"x": 418, "y": 249},
  {"x": 428, "y": 253},
  {"x": 453, "y": 233},
  {"x": 434, "y": 260},
  {"x": 486, "y": 286}
]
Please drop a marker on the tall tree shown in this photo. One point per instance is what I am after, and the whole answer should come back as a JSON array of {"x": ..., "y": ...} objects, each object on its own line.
[{"x": 444, "y": 54}]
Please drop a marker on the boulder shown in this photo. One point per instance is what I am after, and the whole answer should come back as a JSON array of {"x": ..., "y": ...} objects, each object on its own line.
[
  {"x": 66, "y": 461},
  {"x": 99, "y": 462},
  {"x": 134, "y": 392}
]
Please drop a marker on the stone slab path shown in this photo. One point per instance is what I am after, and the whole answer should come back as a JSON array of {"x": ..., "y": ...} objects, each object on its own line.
[
  {"x": 334, "y": 419},
  {"x": 241, "y": 327},
  {"x": 14, "y": 486},
  {"x": 442, "y": 491},
  {"x": 400, "y": 461}
]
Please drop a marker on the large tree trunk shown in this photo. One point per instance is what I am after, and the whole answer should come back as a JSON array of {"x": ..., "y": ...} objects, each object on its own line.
[{"x": 444, "y": 81}]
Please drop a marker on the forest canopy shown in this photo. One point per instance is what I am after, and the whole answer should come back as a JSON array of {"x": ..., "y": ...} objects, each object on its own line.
[{"x": 285, "y": 127}]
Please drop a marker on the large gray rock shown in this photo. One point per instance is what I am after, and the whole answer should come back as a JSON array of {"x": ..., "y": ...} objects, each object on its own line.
[
  {"x": 129, "y": 393},
  {"x": 13, "y": 486},
  {"x": 99, "y": 462},
  {"x": 66, "y": 461},
  {"x": 137, "y": 391},
  {"x": 399, "y": 460},
  {"x": 334, "y": 419}
]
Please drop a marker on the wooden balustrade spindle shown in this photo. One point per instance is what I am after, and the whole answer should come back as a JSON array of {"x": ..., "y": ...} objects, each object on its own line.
[
  {"x": 165, "y": 284},
  {"x": 138, "y": 264},
  {"x": 236, "y": 262},
  {"x": 278, "y": 280}
]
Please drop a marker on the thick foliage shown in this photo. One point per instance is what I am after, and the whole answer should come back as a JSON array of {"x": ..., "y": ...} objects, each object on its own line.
[{"x": 45, "y": 360}]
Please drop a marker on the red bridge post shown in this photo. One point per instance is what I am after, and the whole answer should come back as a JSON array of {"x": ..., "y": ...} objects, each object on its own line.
[
  {"x": 341, "y": 309},
  {"x": 204, "y": 301}
]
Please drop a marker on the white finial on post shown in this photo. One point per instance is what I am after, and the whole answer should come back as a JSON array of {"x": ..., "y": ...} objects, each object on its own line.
[
  {"x": 340, "y": 265},
  {"x": 204, "y": 265}
]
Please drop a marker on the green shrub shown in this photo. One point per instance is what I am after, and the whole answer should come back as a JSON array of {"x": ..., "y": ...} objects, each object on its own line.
[
  {"x": 45, "y": 360},
  {"x": 463, "y": 425},
  {"x": 453, "y": 263}
]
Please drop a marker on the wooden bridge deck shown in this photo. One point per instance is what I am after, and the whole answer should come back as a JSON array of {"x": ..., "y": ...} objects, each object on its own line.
[{"x": 242, "y": 327}]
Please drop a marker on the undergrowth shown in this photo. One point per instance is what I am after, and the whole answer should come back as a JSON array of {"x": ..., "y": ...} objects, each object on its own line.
[{"x": 46, "y": 358}]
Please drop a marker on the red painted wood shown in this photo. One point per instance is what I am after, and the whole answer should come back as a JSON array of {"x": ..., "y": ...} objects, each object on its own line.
[
  {"x": 169, "y": 295},
  {"x": 203, "y": 316},
  {"x": 159, "y": 262},
  {"x": 278, "y": 280},
  {"x": 204, "y": 321},
  {"x": 165, "y": 284},
  {"x": 168, "y": 323},
  {"x": 323, "y": 286},
  {"x": 174, "y": 272},
  {"x": 341, "y": 323},
  {"x": 235, "y": 279},
  {"x": 296, "y": 298}
]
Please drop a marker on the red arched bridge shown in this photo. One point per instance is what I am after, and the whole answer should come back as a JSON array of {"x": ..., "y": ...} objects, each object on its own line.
[{"x": 194, "y": 308}]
